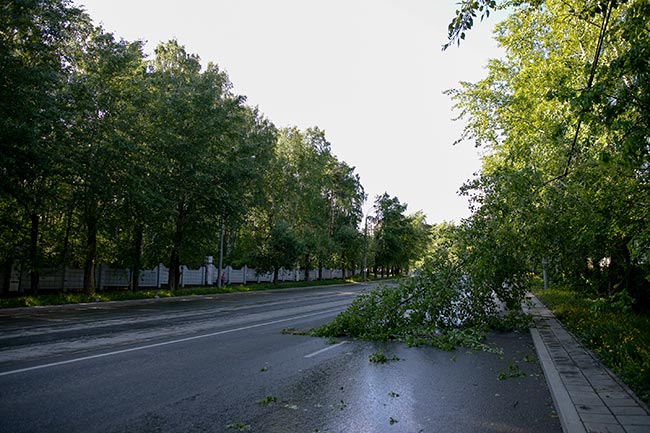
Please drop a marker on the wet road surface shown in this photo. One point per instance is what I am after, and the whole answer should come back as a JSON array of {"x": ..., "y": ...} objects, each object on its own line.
[{"x": 222, "y": 364}]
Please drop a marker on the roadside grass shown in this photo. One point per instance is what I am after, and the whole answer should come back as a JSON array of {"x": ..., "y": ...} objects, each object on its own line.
[
  {"x": 616, "y": 334},
  {"x": 124, "y": 295},
  {"x": 76, "y": 297}
]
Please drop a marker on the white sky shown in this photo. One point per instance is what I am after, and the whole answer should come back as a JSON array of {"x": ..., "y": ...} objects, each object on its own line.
[{"x": 369, "y": 72}]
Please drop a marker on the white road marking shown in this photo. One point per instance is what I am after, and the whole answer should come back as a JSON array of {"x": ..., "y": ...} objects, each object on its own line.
[
  {"x": 318, "y": 352},
  {"x": 166, "y": 343}
]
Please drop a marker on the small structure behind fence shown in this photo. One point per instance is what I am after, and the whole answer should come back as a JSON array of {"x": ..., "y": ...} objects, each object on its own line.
[{"x": 156, "y": 278}]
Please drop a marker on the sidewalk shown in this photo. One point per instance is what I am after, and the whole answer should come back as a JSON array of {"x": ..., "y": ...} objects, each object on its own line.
[{"x": 588, "y": 397}]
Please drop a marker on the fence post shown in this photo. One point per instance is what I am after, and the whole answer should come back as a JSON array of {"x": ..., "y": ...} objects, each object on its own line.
[
  {"x": 14, "y": 279},
  {"x": 245, "y": 276}
]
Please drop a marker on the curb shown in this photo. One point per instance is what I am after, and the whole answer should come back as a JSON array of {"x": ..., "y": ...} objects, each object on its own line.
[
  {"x": 569, "y": 418},
  {"x": 588, "y": 396}
]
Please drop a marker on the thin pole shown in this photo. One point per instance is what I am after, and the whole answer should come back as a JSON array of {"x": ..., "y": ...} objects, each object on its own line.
[
  {"x": 365, "y": 250},
  {"x": 223, "y": 224}
]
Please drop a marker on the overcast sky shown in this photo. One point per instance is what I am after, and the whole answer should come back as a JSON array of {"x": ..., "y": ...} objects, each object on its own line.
[{"x": 369, "y": 72}]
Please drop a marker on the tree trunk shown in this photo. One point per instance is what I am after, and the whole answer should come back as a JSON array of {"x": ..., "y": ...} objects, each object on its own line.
[
  {"x": 66, "y": 245},
  {"x": 6, "y": 276},
  {"x": 307, "y": 267},
  {"x": 136, "y": 257},
  {"x": 91, "y": 252},
  {"x": 320, "y": 271},
  {"x": 174, "y": 267},
  {"x": 177, "y": 240},
  {"x": 276, "y": 275},
  {"x": 34, "y": 264},
  {"x": 618, "y": 268}
]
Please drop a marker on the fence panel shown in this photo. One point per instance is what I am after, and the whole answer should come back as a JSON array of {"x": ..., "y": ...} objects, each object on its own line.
[
  {"x": 50, "y": 279},
  {"x": 149, "y": 277},
  {"x": 193, "y": 277},
  {"x": 111, "y": 278},
  {"x": 74, "y": 279},
  {"x": 237, "y": 276},
  {"x": 286, "y": 275},
  {"x": 163, "y": 275}
]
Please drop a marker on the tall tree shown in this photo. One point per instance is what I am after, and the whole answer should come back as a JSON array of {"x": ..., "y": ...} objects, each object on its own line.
[
  {"x": 562, "y": 117},
  {"x": 400, "y": 239},
  {"x": 101, "y": 90},
  {"x": 310, "y": 197},
  {"x": 345, "y": 197},
  {"x": 201, "y": 148},
  {"x": 34, "y": 60}
]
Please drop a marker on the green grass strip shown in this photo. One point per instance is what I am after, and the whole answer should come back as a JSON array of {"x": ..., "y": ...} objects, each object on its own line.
[
  {"x": 619, "y": 336},
  {"x": 124, "y": 295}
]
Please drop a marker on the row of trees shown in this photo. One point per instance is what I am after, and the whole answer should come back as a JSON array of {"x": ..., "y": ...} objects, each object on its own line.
[
  {"x": 399, "y": 240},
  {"x": 564, "y": 123},
  {"x": 107, "y": 155}
]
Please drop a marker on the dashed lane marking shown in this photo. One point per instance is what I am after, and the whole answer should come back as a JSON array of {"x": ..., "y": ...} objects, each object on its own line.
[{"x": 318, "y": 352}]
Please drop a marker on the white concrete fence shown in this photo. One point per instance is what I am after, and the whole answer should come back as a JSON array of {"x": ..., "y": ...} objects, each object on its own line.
[{"x": 112, "y": 278}]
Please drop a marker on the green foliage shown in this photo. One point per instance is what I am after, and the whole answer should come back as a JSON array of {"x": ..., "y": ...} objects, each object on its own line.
[
  {"x": 282, "y": 249},
  {"x": 332, "y": 340},
  {"x": 79, "y": 298},
  {"x": 268, "y": 400},
  {"x": 620, "y": 338},
  {"x": 464, "y": 19},
  {"x": 512, "y": 320},
  {"x": 107, "y": 157},
  {"x": 196, "y": 119},
  {"x": 375, "y": 315},
  {"x": 102, "y": 84},
  {"x": 311, "y": 209},
  {"x": 381, "y": 358},
  {"x": 513, "y": 372},
  {"x": 35, "y": 40},
  {"x": 619, "y": 303},
  {"x": 399, "y": 239},
  {"x": 440, "y": 306},
  {"x": 450, "y": 339},
  {"x": 562, "y": 124}
]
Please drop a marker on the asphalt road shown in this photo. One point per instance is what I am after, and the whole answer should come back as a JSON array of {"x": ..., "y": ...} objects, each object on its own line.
[{"x": 222, "y": 364}]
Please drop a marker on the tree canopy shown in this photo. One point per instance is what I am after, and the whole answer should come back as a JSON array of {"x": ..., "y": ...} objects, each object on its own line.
[
  {"x": 113, "y": 156},
  {"x": 563, "y": 119}
]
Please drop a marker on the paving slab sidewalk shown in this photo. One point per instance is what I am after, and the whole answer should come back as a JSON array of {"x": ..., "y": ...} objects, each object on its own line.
[{"x": 588, "y": 397}]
